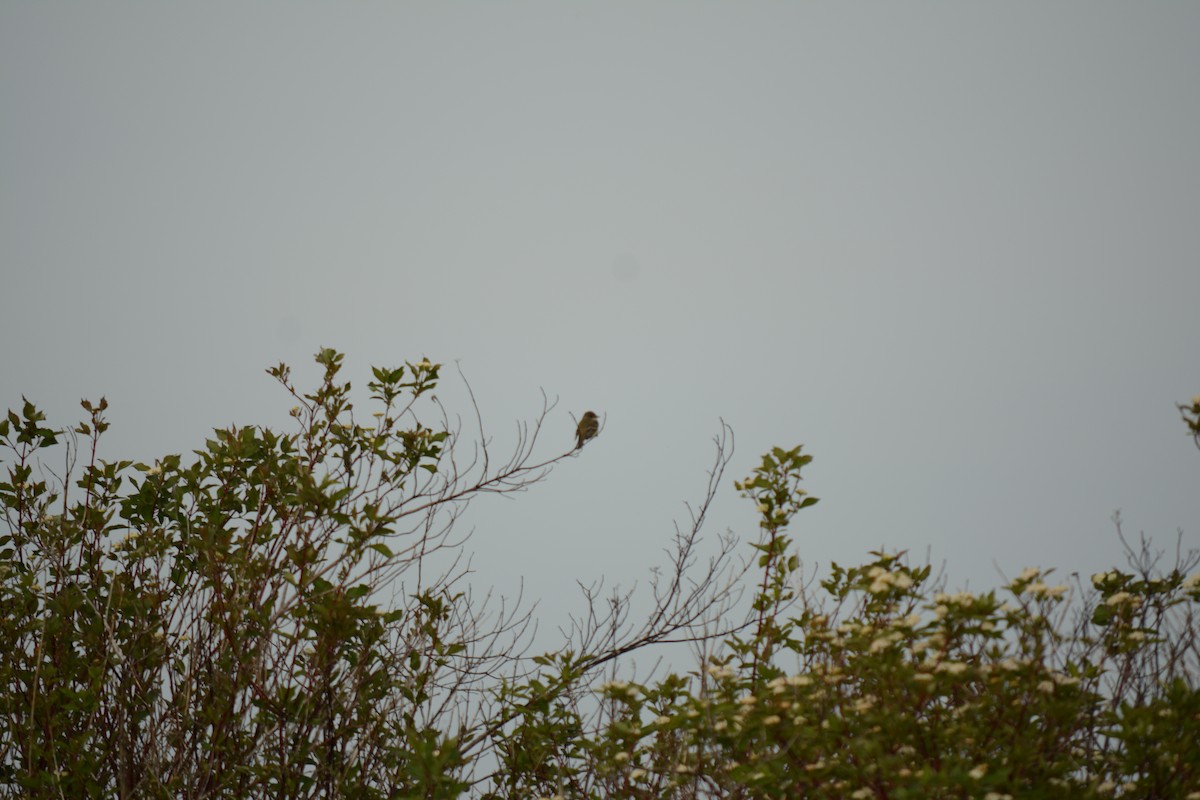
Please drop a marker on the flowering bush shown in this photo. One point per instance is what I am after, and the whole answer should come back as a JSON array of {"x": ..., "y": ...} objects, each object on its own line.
[{"x": 283, "y": 616}]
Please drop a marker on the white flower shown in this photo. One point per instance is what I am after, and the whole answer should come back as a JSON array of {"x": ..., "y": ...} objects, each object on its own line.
[
  {"x": 1040, "y": 589},
  {"x": 720, "y": 672},
  {"x": 637, "y": 774},
  {"x": 934, "y": 641},
  {"x": 953, "y": 667},
  {"x": 1123, "y": 597},
  {"x": 1192, "y": 581},
  {"x": 1029, "y": 573},
  {"x": 978, "y": 772},
  {"x": 1046, "y": 686},
  {"x": 771, "y": 720},
  {"x": 621, "y": 757}
]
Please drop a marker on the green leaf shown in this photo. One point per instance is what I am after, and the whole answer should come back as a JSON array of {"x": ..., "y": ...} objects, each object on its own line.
[{"x": 382, "y": 549}]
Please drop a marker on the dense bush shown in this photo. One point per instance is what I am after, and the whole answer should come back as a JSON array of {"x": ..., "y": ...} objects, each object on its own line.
[{"x": 286, "y": 615}]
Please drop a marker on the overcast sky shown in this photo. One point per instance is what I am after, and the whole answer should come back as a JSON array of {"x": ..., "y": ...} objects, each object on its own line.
[{"x": 950, "y": 247}]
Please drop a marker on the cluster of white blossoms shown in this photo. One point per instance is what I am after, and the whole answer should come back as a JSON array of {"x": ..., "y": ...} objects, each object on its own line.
[
  {"x": 963, "y": 599},
  {"x": 721, "y": 672},
  {"x": 1030, "y": 582},
  {"x": 1028, "y": 574},
  {"x": 1123, "y": 598},
  {"x": 944, "y": 601},
  {"x": 884, "y": 642},
  {"x": 952, "y": 667},
  {"x": 1039, "y": 589},
  {"x": 618, "y": 687},
  {"x": 883, "y": 579}
]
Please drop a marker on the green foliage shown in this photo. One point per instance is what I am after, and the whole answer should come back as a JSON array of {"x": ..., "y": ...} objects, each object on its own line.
[
  {"x": 901, "y": 691},
  {"x": 281, "y": 615},
  {"x": 883, "y": 684},
  {"x": 1191, "y": 418},
  {"x": 212, "y": 628}
]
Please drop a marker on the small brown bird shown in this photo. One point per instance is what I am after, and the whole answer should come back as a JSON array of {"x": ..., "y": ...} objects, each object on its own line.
[{"x": 589, "y": 426}]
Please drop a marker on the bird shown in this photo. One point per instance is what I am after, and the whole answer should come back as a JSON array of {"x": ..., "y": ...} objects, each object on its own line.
[{"x": 589, "y": 426}]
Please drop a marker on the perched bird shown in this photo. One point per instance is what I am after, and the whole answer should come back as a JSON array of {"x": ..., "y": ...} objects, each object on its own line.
[{"x": 589, "y": 426}]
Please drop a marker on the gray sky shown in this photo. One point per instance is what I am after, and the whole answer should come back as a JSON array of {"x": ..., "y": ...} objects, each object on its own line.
[{"x": 951, "y": 248}]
